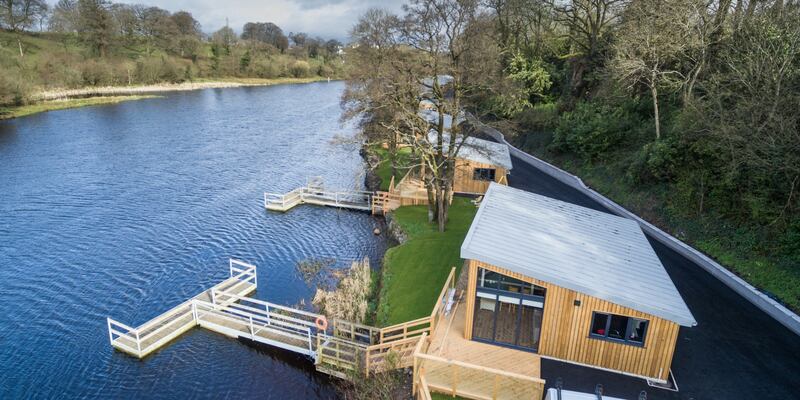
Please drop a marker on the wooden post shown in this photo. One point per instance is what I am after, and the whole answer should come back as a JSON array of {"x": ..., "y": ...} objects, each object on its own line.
[
  {"x": 319, "y": 349},
  {"x": 366, "y": 362},
  {"x": 494, "y": 388},
  {"x": 338, "y": 354}
]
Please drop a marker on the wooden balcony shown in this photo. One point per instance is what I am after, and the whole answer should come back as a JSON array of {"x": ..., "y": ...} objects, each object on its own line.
[{"x": 447, "y": 363}]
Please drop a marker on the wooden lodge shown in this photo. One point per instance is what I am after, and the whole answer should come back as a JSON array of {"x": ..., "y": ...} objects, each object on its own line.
[
  {"x": 569, "y": 283},
  {"x": 478, "y": 163}
]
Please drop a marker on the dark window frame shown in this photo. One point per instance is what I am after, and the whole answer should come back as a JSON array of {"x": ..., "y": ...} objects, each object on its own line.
[
  {"x": 484, "y": 174},
  {"x": 517, "y": 295},
  {"x": 628, "y": 329}
]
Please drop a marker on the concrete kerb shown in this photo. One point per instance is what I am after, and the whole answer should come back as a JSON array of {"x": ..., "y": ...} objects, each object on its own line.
[{"x": 776, "y": 310}]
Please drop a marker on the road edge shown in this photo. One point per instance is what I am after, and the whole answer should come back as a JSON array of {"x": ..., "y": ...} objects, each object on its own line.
[{"x": 774, "y": 309}]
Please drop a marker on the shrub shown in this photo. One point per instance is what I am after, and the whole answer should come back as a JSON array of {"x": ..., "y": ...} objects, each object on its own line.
[
  {"x": 592, "y": 130},
  {"x": 349, "y": 301},
  {"x": 300, "y": 69},
  {"x": 157, "y": 69},
  {"x": 13, "y": 90},
  {"x": 325, "y": 71},
  {"x": 96, "y": 73},
  {"x": 542, "y": 117},
  {"x": 656, "y": 161},
  {"x": 265, "y": 68}
]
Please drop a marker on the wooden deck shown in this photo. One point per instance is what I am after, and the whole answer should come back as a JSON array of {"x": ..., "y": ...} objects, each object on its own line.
[{"x": 452, "y": 365}]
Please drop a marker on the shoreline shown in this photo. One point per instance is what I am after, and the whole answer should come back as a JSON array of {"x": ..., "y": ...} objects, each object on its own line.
[
  {"x": 63, "y": 104},
  {"x": 60, "y": 99}
]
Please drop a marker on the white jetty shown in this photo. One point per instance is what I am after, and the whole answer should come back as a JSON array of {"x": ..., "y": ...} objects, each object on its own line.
[
  {"x": 340, "y": 350},
  {"x": 225, "y": 309},
  {"x": 314, "y": 193}
]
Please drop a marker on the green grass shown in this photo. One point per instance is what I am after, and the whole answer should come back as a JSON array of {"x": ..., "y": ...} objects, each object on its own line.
[
  {"x": 384, "y": 170},
  {"x": 414, "y": 272},
  {"x": 21, "y": 111}
]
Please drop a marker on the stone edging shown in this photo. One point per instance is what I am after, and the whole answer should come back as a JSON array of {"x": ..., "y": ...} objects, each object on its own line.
[{"x": 748, "y": 291}]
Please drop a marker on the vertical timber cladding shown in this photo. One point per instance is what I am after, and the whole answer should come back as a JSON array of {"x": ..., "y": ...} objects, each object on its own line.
[
  {"x": 565, "y": 330},
  {"x": 464, "y": 183}
]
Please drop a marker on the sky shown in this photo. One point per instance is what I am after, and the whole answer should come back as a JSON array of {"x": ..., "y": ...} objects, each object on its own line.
[{"x": 330, "y": 19}]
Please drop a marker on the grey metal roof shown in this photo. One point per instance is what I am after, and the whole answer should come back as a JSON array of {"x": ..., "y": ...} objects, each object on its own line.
[
  {"x": 478, "y": 150},
  {"x": 432, "y": 117},
  {"x": 574, "y": 247}
]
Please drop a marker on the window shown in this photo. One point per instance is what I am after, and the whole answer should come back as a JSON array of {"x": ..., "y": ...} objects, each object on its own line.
[
  {"x": 483, "y": 174},
  {"x": 492, "y": 280},
  {"x": 618, "y": 328}
]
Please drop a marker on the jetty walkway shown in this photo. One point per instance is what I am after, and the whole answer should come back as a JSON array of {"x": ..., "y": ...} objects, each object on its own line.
[
  {"x": 339, "y": 349},
  {"x": 377, "y": 202}
]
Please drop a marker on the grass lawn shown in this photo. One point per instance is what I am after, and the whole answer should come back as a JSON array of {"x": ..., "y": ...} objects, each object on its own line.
[
  {"x": 413, "y": 273},
  {"x": 384, "y": 169},
  {"x": 21, "y": 111}
]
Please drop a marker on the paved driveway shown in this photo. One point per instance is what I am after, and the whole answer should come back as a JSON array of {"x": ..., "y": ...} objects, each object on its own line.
[{"x": 735, "y": 352}]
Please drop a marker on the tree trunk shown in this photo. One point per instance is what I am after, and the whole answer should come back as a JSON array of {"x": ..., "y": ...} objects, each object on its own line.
[
  {"x": 430, "y": 189},
  {"x": 654, "y": 93},
  {"x": 393, "y": 153},
  {"x": 443, "y": 205}
]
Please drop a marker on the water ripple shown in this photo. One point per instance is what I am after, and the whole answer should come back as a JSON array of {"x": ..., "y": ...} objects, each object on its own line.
[{"x": 127, "y": 210}]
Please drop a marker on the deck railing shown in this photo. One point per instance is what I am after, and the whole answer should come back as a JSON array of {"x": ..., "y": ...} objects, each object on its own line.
[
  {"x": 457, "y": 378},
  {"x": 339, "y": 356},
  {"x": 253, "y": 323},
  {"x": 356, "y": 332},
  {"x": 270, "y": 313},
  {"x": 313, "y": 193},
  {"x": 400, "y": 339},
  {"x": 153, "y": 334}
]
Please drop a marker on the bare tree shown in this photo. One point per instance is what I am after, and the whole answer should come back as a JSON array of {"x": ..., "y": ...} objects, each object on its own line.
[
  {"x": 653, "y": 50},
  {"x": 439, "y": 31},
  {"x": 18, "y": 15},
  {"x": 588, "y": 27}
]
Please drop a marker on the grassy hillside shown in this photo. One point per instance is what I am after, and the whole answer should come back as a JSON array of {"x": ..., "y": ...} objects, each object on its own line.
[{"x": 53, "y": 60}]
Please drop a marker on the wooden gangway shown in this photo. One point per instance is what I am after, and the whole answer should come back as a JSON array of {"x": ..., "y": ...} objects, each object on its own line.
[
  {"x": 343, "y": 349},
  {"x": 225, "y": 309},
  {"x": 315, "y": 193}
]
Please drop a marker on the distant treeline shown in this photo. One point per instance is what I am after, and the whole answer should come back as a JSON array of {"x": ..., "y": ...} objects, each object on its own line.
[{"x": 79, "y": 43}]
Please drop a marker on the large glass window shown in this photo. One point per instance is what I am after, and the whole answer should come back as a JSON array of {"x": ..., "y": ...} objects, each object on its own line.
[
  {"x": 618, "y": 327},
  {"x": 508, "y": 311},
  {"x": 483, "y": 174},
  {"x": 493, "y": 280}
]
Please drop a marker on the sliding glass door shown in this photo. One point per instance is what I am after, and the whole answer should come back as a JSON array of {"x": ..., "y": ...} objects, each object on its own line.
[{"x": 507, "y": 311}]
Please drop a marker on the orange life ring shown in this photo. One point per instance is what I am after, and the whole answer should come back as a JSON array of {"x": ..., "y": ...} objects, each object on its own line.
[{"x": 321, "y": 323}]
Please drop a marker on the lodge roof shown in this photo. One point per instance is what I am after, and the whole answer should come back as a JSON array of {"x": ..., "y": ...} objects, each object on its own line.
[
  {"x": 588, "y": 251},
  {"x": 478, "y": 150}
]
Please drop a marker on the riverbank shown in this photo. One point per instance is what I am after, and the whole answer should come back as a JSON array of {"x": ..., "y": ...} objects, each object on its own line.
[
  {"x": 52, "y": 105},
  {"x": 414, "y": 271},
  {"x": 59, "y": 99}
]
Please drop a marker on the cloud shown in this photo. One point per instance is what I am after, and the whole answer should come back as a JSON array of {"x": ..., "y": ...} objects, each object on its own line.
[{"x": 325, "y": 18}]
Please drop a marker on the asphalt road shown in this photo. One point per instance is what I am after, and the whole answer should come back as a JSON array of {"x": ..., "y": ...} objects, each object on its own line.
[{"x": 735, "y": 352}]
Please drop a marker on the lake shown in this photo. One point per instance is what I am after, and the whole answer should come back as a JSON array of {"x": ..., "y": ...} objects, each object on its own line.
[{"x": 126, "y": 210}]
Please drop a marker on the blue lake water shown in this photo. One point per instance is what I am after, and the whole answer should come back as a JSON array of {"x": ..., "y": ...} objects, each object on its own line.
[{"x": 127, "y": 210}]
